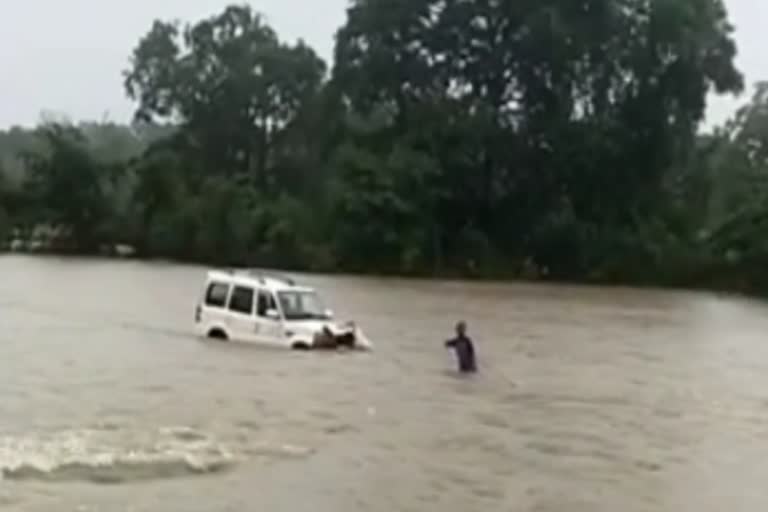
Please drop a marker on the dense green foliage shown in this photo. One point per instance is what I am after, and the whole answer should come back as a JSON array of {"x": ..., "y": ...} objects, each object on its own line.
[{"x": 538, "y": 138}]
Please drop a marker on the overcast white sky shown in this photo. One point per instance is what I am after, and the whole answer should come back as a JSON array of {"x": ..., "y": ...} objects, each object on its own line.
[{"x": 67, "y": 56}]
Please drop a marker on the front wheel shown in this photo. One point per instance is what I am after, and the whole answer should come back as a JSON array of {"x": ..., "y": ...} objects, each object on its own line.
[{"x": 302, "y": 346}]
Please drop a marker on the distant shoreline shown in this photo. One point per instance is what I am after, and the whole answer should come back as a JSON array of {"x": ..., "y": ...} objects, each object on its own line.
[{"x": 444, "y": 276}]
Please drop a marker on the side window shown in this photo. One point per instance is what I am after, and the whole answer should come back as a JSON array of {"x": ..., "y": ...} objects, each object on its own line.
[
  {"x": 216, "y": 295},
  {"x": 266, "y": 302},
  {"x": 242, "y": 300}
]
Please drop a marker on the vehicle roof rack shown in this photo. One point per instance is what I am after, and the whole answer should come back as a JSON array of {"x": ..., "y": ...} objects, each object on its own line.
[
  {"x": 261, "y": 275},
  {"x": 272, "y": 275}
]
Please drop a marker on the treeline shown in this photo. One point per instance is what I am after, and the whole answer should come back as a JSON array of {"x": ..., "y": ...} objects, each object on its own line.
[{"x": 540, "y": 138}]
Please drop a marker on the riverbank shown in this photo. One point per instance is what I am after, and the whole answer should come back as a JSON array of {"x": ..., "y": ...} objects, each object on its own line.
[{"x": 723, "y": 279}]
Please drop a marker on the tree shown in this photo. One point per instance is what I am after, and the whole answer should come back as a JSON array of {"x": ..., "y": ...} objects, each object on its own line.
[
  {"x": 67, "y": 185},
  {"x": 383, "y": 217},
  {"x": 576, "y": 104},
  {"x": 554, "y": 138},
  {"x": 229, "y": 81},
  {"x": 739, "y": 175}
]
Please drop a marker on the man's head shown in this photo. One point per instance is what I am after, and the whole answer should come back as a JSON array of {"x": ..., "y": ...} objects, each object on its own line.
[{"x": 461, "y": 328}]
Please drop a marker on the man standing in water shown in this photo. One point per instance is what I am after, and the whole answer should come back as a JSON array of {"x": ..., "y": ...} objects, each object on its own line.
[{"x": 465, "y": 350}]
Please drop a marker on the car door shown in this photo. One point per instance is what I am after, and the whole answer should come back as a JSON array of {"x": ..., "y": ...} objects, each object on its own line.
[
  {"x": 242, "y": 321},
  {"x": 270, "y": 330},
  {"x": 212, "y": 314}
]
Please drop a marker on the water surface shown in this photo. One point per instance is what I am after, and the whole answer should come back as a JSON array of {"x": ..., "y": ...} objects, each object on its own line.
[{"x": 588, "y": 399}]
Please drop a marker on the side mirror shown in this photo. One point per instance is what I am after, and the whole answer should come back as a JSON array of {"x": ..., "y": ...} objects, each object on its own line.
[{"x": 272, "y": 314}]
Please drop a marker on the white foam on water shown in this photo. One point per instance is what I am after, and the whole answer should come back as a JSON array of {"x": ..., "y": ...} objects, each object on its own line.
[{"x": 112, "y": 455}]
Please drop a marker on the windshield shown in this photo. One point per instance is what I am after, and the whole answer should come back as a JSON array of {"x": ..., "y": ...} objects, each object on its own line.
[{"x": 302, "y": 306}]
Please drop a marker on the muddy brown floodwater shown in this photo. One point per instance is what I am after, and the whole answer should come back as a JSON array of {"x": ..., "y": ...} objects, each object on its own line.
[{"x": 588, "y": 400}]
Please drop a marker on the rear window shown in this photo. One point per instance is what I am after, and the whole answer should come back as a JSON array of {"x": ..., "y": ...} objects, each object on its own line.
[
  {"x": 242, "y": 300},
  {"x": 216, "y": 296}
]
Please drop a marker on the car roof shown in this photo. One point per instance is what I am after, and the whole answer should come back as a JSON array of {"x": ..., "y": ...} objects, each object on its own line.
[{"x": 257, "y": 279}]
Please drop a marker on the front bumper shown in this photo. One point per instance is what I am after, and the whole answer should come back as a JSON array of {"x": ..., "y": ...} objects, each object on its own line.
[{"x": 348, "y": 337}]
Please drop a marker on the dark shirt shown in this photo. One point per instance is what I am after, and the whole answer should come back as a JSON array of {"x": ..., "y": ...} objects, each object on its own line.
[{"x": 465, "y": 352}]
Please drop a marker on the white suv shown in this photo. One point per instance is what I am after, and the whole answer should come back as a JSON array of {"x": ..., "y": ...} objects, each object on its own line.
[{"x": 256, "y": 307}]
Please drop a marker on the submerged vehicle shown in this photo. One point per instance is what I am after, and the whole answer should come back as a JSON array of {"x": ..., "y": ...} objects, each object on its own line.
[{"x": 252, "y": 306}]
